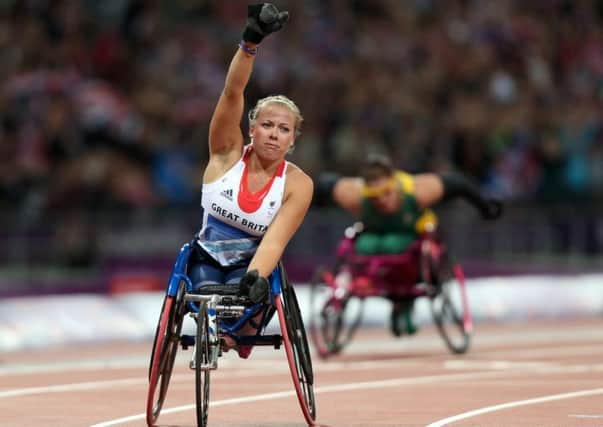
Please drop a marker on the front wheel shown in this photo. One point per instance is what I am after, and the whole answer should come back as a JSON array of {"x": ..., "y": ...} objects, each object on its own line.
[{"x": 202, "y": 362}]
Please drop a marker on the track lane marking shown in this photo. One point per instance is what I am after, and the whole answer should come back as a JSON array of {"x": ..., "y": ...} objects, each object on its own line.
[
  {"x": 90, "y": 385},
  {"x": 319, "y": 390},
  {"x": 514, "y": 404},
  {"x": 143, "y": 362},
  {"x": 429, "y": 379},
  {"x": 257, "y": 369}
]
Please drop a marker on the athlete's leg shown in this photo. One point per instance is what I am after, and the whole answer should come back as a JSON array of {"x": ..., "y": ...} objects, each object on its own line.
[
  {"x": 395, "y": 243},
  {"x": 204, "y": 270},
  {"x": 204, "y": 274},
  {"x": 401, "y": 316},
  {"x": 368, "y": 244}
]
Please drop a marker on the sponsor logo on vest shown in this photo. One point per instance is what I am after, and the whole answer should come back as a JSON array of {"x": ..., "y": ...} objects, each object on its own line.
[
  {"x": 227, "y": 194},
  {"x": 271, "y": 207}
]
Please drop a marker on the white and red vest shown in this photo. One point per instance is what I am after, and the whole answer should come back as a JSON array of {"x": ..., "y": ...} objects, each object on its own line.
[{"x": 234, "y": 220}]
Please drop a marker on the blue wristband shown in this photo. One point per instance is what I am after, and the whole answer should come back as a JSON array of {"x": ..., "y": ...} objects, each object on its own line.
[{"x": 248, "y": 50}]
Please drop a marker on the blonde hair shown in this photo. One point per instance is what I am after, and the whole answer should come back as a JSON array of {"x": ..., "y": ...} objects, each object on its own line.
[{"x": 281, "y": 100}]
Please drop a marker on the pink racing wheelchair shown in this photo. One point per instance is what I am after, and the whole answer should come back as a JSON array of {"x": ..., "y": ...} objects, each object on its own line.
[{"x": 426, "y": 269}]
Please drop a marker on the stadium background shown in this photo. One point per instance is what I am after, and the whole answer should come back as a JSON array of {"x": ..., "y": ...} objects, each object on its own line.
[{"x": 104, "y": 110}]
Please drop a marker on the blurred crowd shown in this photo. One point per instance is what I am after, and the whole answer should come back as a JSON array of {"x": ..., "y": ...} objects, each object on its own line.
[{"x": 107, "y": 103}]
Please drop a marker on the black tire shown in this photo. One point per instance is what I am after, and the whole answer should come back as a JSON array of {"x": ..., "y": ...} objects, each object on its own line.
[
  {"x": 448, "y": 306},
  {"x": 334, "y": 319},
  {"x": 202, "y": 359},
  {"x": 299, "y": 348},
  {"x": 163, "y": 354}
]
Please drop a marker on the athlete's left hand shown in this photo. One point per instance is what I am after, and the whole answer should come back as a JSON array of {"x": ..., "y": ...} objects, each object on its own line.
[{"x": 254, "y": 286}]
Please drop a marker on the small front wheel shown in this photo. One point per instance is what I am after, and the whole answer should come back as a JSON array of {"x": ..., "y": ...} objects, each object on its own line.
[{"x": 202, "y": 366}]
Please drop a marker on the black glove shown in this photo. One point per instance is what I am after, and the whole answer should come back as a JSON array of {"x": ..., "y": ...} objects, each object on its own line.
[
  {"x": 493, "y": 209},
  {"x": 263, "y": 19},
  {"x": 254, "y": 286}
]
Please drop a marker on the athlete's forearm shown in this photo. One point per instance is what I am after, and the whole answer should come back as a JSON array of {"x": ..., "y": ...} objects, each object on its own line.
[
  {"x": 239, "y": 73},
  {"x": 456, "y": 185}
]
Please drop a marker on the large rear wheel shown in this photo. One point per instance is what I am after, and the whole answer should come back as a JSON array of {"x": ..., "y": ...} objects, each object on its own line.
[
  {"x": 449, "y": 305},
  {"x": 163, "y": 354},
  {"x": 336, "y": 314},
  {"x": 202, "y": 362},
  {"x": 297, "y": 349}
]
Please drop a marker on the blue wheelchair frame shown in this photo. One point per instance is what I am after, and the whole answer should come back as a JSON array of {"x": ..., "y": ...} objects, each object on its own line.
[
  {"x": 179, "y": 274},
  {"x": 213, "y": 309}
]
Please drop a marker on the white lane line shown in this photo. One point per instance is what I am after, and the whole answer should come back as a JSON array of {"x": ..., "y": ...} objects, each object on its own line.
[
  {"x": 494, "y": 364},
  {"x": 92, "y": 385},
  {"x": 257, "y": 369},
  {"x": 83, "y": 365},
  {"x": 96, "y": 385},
  {"x": 549, "y": 351},
  {"x": 325, "y": 389},
  {"x": 514, "y": 404},
  {"x": 143, "y": 361},
  {"x": 585, "y": 416},
  {"x": 234, "y": 401}
]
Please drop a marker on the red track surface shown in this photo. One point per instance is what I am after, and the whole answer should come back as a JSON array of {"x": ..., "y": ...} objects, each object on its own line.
[{"x": 540, "y": 374}]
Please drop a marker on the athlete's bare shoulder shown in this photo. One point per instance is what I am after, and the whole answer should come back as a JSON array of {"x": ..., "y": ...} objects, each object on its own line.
[{"x": 298, "y": 176}]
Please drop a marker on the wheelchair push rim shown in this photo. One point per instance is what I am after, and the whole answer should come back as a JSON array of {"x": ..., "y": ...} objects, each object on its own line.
[
  {"x": 297, "y": 350},
  {"x": 335, "y": 315},
  {"x": 163, "y": 356}
]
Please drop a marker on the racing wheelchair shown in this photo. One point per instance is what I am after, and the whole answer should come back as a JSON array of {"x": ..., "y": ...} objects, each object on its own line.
[
  {"x": 425, "y": 269},
  {"x": 220, "y": 311}
]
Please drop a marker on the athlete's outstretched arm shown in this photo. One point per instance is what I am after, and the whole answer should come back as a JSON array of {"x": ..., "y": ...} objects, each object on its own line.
[
  {"x": 345, "y": 192},
  {"x": 432, "y": 188}
]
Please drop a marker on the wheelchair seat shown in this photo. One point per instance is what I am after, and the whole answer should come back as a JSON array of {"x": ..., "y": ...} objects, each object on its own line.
[{"x": 229, "y": 289}]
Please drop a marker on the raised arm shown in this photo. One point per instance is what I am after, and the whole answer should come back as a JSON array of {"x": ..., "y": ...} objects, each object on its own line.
[
  {"x": 224, "y": 132},
  {"x": 225, "y": 136}
]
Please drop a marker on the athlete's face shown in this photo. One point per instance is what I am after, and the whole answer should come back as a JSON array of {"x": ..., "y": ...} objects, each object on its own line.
[
  {"x": 384, "y": 194},
  {"x": 273, "y": 132}
]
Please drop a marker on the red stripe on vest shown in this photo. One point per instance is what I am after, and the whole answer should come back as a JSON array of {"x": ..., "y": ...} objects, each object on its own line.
[{"x": 249, "y": 202}]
